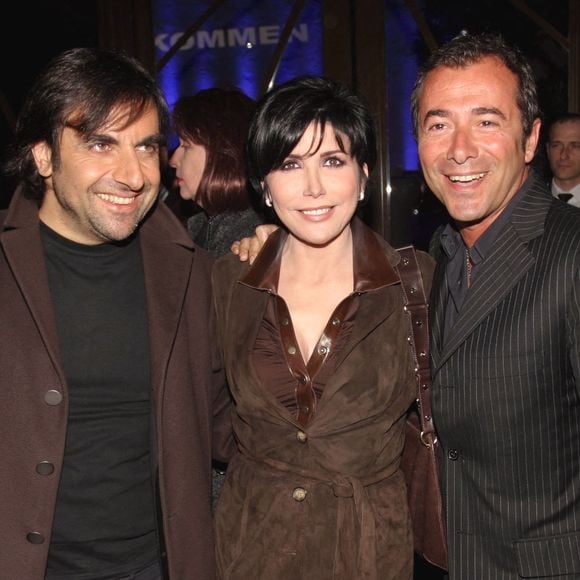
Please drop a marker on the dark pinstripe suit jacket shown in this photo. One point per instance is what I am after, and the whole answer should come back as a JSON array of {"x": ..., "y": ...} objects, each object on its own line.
[{"x": 506, "y": 400}]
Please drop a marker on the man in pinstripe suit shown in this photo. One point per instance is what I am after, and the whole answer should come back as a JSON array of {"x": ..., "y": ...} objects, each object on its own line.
[{"x": 505, "y": 319}]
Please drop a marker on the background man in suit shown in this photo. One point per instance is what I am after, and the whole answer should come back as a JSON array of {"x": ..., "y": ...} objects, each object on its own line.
[
  {"x": 505, "y": 319},
  {"x": 111, "y": 400},
  {"x": 563, "y": 149}
]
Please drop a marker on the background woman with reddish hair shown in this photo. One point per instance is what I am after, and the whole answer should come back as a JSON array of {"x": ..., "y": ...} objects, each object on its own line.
[{"x": 210, "y": 167}]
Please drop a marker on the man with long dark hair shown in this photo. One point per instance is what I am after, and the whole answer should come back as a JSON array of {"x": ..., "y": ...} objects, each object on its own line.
[{"x": 112, "y": 401}]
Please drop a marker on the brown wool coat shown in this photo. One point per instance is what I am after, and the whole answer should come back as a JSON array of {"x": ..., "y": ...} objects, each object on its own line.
[
  {"x": 187, "y": 386},
  {"x": 325, "y": 501}
]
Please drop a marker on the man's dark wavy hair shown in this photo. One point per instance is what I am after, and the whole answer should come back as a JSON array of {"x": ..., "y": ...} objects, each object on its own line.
[
  {"x": 84, "y": 89},
  {"x": 467, "y": 49}
]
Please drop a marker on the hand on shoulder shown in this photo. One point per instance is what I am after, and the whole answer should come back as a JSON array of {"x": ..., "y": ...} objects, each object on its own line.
[{"x": 248, "y": 248}]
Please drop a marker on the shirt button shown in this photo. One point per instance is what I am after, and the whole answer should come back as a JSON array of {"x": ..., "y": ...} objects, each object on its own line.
[
  {"x": 299, "y": 494},
  {"x": 453, "y": 454},
  {"x": 291, "y": 350},
  {"x": 302, "y": 379},
  {"x": 53, "y": 397},
  {"x": 323, "y": 350},
  {"x": 335, "y": 321},
  {"x": 285, "y": 322},
  {"x": 301, "y": 436}
]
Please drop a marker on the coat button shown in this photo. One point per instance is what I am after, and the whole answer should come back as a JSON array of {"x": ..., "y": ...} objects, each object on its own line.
[
  {"x": 299, "y": 494},
  {"x": 301, "y": 436},
  {"x": 453, "y": 454},
  {"x": 45, "y": 468},
  {"x": 53, "y": 397},
  {"x": 35, "y": 538}
]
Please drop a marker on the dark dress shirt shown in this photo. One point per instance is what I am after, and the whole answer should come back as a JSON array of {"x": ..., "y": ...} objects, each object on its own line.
[{"x": 457, "y": 252}]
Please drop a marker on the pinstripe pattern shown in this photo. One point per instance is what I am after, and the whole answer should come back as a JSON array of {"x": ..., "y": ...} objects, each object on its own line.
[{"x": 507, "y": 405}]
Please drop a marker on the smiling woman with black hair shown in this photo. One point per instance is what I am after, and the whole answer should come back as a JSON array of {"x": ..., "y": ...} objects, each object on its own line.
[{"x": 314, "y": 337}]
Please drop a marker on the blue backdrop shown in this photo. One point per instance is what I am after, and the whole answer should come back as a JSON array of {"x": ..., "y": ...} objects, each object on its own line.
[{"x": 235, "y": 46}]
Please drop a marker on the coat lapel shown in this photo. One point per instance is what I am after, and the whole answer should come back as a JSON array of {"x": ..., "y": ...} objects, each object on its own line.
[
  {"x": 373, "y": 309},
  {"x": 25, "y": 253},
  {"x": 377, "y": 285},
  {"x": 245, "y": 315},
  {"x": 438, "y": 303},
  {"x": 168, "y": 257},
  {"x": 501, "y": 271}
]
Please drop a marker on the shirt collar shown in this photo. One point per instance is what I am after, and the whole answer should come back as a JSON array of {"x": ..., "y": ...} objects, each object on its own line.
[
  {"x": 451, "y": 240},
  {"x": 556, "y": 189}
]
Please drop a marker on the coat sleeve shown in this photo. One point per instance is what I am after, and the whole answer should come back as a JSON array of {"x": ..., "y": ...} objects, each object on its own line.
[
  {"x": 223, "y": 444},
  {"x": 225, "y": 274}
]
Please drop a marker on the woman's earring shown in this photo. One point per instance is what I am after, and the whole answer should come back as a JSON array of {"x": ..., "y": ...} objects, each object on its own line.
[
  {"x": 361, "y": 195},
  {"x": 267, "y": 199}
]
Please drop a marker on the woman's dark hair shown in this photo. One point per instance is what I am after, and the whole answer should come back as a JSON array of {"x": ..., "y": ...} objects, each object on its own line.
[
  {"x": 84, "y": 89},
  {"x": 218, "y": 119},
  {"x": 284, "y": 114},
  {"x": 467, "y": 49}
]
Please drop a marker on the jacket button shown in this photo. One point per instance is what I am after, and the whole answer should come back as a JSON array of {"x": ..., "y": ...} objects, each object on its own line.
[
  {"x": 335, "y": 321},
  {"x": 292, "y": 350},
  {"x": 453, "y": 454},
  {"x": 45, "y": 468},
  {"x": 301, "y": 436},
  {"x": 299, "y": 494},
  {"x": 322, "y": 350},
  {"x": 53, "y": 397},
  {"x": 35, "y": 537}
]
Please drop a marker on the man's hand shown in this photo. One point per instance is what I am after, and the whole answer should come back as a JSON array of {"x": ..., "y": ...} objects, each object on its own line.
[{"x": 248, "y": 248}]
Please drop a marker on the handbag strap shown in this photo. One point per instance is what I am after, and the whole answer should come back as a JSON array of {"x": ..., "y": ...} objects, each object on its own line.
[{"x": 415, "y": 305}]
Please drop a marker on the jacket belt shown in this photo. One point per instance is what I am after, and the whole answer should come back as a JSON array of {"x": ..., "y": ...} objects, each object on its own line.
[{"x": 344, "y": 488}]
